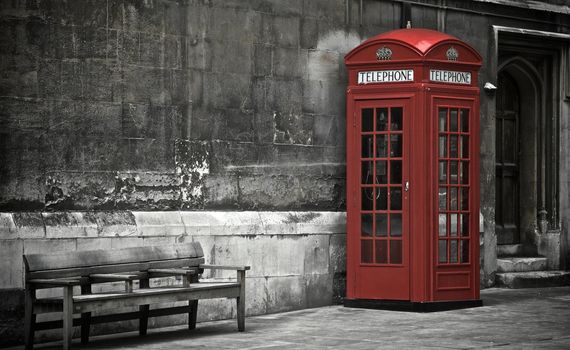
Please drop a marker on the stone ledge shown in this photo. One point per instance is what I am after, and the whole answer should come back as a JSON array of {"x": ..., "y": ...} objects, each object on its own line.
[{"x": 169, "y": 223}]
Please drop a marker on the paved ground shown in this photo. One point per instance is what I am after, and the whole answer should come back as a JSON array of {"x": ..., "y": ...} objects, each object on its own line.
[{"x": 510, "y": 319}]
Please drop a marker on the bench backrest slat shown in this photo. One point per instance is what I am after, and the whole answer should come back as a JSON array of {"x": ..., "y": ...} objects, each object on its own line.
[{"x": 83, "y": 263}]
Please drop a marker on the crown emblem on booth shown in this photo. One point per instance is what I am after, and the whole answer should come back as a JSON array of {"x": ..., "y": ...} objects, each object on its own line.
[
  {"x": 383, "y": 53},
  {"x": 452, "y": 54}
]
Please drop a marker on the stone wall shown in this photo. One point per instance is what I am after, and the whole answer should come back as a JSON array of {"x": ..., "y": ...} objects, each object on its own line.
[{"x": 297, "y": 259}]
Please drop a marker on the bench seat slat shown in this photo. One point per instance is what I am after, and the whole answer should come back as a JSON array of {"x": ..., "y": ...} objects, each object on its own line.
[{"x": 92, "y": 302}]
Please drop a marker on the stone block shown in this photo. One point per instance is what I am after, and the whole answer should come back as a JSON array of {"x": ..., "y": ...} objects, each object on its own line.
[
  {"x": 337, "y": 253},
  {"x": 69, "y": 225},
  {"x": 161, "y": 223},
  {"x": 227, "y": 90},
  {"x": 280, "y": 31},
  {"x": 234, "y": 25},
  {"x": 318, "y": 290},
  {"x": 323, "y": 65},
  {"x": 323, "y": 97},
  {"x": 262, "y": 60},
  {"x": 221, "y": 192},
  {"x": 285, "y": 293},
  {"x": 325, "y": 130},
  {"x": 54, "y": 245},
  {"x": 329, "y": 10},
  {"x": 29, "y": 225},
  {"x": 284, "y": 96},
  {"x": 98, "y": 243},
  {"x": 127, "y": 242},
  {"x": 322, "y": 222},
  {"x": 309, "y": 33},
  {"x": 173, "y": 51},
  {"x": 316, "y": 256},
  {"x": 7, "y": 226},
  {"x": 11, "y": 264},
  {"x": 196, "y": 223},
  {"x": 290, "y": 62},
  {"x": 151, "y": 47},
  {"x": 231, "y": 56}
]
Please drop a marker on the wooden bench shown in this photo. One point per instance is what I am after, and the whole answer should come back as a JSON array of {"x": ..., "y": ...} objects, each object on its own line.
[{"x": 83, "y": 269}]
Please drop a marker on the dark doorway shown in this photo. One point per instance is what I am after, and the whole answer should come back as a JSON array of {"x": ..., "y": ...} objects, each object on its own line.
[{"x": 507, "y": 163}]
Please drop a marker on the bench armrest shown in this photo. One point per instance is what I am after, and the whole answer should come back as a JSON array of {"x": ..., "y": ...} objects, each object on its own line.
[
  {"x": 170, "y": 272},
  {"x": 225, "y": 267},
  {"x": 46, "y": 282}
]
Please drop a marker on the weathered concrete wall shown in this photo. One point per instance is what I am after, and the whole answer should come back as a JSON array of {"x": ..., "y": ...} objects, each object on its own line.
[
  {"x": 297, "y": 259},
  {"x": 169, "y": 104}
]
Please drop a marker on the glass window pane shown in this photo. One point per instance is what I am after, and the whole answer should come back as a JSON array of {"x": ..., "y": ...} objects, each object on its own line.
[
  {"x": 442, "y": 198},
  {"x": 453, "y": 251},
  {"x": 381, "y": 119},
  {"x": 381, "y": 146},
  {"x": 367, "y": 119},
  {"x": 395, "y": 225},
  {"x": 381, "y": 198},
  {"x": 453, "y": 202},
  {"x": 367, "y": 198},
  {"x": 464, "y": 146},
  {"x": 381, "y": 225},
  {"x": 442, "y": 225},
  {"x": 381, "y": 252},
  {"x": 465, "y": 173},
  {"x": 442, "y": 119},
  {"x": 442, "y": 251},
  {"x": 464, "y": 198},
  {"x": 395, "y": 171},
  {"x": 453, "y": 120},
  {"x": 464, "y": 251},
  {"x": 465, "y": 225},
  {"x": 366, "y": 251},
  {"x": 443, "y": 146},
  {"x": 443, "y": 172},
  {"x": 382, "y": 172},
  {"x": 366, "y": 225},
  {"x": 396, "y": 252},
  {"x": 396, "y": 118},
  {"x": 367, "y": 172},
  {"x": 453, "y": 224},
  {"x": 395, "y": 198},
  {"x": 396, "y": 145},
  {"x": 367, "y": 145},
  {"x": 464, "y": 116},
  {"x": 453, "y": 146},
  {"x": 453, "y": 172}
]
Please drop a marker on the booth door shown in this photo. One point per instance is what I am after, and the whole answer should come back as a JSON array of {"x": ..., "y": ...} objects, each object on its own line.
[
  {"x": 457, "y": 219},
  {"x": 381, "y": 234}
]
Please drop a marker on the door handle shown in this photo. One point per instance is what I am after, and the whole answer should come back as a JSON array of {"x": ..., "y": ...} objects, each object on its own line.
[{"x": 407, "y": 186}]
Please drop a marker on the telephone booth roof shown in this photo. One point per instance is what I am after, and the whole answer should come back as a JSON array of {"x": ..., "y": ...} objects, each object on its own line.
[{"x": 415, "y": 44}]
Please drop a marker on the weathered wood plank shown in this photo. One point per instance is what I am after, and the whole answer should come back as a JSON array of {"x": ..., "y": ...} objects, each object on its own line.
[
  {"x": 37, "y": 262},
  {"x": 120, "y": 300},
  {"x": 119, "y": 268}
]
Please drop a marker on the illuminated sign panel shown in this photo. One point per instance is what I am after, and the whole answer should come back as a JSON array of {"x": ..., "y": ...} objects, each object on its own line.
[
  {"x": 386, "y": 76},
  {"x": 449, "y": 76}
]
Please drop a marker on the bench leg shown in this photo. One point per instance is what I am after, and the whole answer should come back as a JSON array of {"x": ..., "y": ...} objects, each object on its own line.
[
  {"x": 29, "y": 318},
  {"x": 241, "y": 301},
  {"x": 67, "y": 317},
  {"x": 192, "y": 314},
  {"x": 85, "y": 317},
  {"x": 143, "y": 309}
]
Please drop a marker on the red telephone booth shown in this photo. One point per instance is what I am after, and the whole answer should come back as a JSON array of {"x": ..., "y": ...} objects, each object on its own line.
[{"x": 413, "y": 172}]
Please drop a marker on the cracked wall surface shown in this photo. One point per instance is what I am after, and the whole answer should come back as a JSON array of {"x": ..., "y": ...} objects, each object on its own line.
[{"x": 172, "y": 104}]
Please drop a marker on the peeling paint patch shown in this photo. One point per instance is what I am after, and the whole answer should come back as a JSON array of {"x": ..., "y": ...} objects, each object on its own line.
[{"x": 192, "y": 160}]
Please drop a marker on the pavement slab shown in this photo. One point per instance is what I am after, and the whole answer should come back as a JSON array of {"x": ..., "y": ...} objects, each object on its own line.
[{"x": 537, "y": 318}]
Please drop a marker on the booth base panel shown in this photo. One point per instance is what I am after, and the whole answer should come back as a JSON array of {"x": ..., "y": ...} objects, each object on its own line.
[{"x": 402, "y": 305}]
